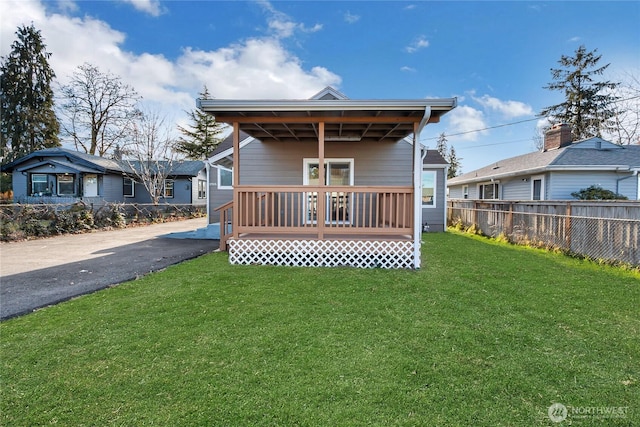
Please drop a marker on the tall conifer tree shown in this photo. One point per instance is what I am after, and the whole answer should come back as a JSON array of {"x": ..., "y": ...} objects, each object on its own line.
[
  {"x": 28, "y": 119},
  {"x": 202, "y": 135},
  {"x": 588, "y": 101}
]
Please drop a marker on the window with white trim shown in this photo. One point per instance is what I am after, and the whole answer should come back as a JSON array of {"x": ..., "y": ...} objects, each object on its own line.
[
  {"x": 225, "y": 178},
  {"x": 429, "y": 189},
  {"x": 202, "y": 189},
  {"x": 537, "y": 187},
  {"x": 489, "y": 191},
  {"x": 128, "y": 187},
  {"x": 66, "y": 185},
  {"x": 168, "y": 189},
  {"x": 38, "y": 183}
]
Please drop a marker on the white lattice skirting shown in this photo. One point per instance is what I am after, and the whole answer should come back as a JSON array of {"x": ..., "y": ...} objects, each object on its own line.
[{"x": 323, "y": 253}]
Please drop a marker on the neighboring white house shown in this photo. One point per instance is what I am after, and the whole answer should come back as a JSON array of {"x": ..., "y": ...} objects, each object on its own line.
[{"x": 561, "y": 168}]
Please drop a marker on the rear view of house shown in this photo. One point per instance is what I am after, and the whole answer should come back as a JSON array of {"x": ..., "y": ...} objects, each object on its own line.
[{"x": 326, "y": 181}]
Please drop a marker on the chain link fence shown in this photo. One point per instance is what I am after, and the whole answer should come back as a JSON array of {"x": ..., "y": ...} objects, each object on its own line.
[
  {"x": 605, "y": 231},
  {"x": 20, "y": 221}
]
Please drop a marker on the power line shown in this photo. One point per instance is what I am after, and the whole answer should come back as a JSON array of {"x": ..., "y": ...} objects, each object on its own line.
[
  {"x": 494, "y": 143},
  {"x": 512, "y": 123},
  {"x": 487, "y": 128}
]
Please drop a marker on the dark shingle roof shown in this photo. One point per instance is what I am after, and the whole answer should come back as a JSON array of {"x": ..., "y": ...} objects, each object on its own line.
[
  {"x": 433, "y": 157},
  {"x": 574, "y": 155},
  {"x": 179, "y": 168}
]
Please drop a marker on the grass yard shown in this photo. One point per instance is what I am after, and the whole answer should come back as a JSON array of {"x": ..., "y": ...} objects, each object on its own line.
[{"x": 486, "y": 334}]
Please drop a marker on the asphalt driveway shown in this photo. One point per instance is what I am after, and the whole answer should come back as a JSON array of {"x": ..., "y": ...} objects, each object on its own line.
[{"x": 38, "y": 273}]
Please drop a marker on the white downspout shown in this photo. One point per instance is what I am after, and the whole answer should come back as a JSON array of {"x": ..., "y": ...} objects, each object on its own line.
[{"x": 417, "y": 188}]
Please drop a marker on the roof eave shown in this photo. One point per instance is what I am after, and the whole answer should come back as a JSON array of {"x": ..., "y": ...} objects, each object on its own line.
[{"x": 220, "y": 105}]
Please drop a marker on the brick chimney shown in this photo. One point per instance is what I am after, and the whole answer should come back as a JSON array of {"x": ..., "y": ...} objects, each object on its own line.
[{"x": 558, "y": 136}]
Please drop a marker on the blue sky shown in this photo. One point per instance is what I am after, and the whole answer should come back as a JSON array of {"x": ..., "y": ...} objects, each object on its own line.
[{"x": 494, "y": 56}]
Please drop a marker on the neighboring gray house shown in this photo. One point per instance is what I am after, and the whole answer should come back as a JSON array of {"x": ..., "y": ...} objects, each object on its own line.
[
  {"x": 61, "y": 175},
  {"x": 561, "y": 168}
]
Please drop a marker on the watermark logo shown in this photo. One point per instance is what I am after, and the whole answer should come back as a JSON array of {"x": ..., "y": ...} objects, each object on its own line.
[{"x": 559, "y": 412}]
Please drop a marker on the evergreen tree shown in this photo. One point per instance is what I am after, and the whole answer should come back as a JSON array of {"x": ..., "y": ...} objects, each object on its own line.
[
  {"x": 441, "y": 145},
  {"x": 449, "y": 155},
  {"x": 455, "y": 167},
  {"x": 202, "y": 135},
  {"x": 588, "y": 104},
  {"x": 28, "y": 120}
]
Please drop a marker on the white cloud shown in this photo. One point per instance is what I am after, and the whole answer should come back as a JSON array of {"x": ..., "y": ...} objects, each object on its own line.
[
  {"x": 408, "y": 69},
  {"x": 509, "y": 109},
  {"x": 351, "y": 18},
  {"x": 465, "y": 123},
  {"x": 282, "y": 25},
  {"x": 253, "y": 68},
  {"x": 258, "y": 68},
  {"x": 152, "y": 7},
  {"x": 419, "y": 43}
]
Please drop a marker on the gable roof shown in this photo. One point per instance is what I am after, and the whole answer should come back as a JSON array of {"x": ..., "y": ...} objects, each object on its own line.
[
  {"x": 83, "y": 162},
  {"x": 178, "y": 167},
  {"x": 433, "y": 157},
  {"x": 345, "y": 119},
  {"x": 101, "y": 164},
  {"x": 581, "y": 155}
]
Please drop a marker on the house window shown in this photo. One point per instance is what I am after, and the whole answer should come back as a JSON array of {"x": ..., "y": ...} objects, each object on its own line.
[
  {"x": 202, "y": 189},
  {"x": 66, "y": 185},
  {"x": 489, "y": 191},
  {"x": 168, "y": 189},
  {"x": 128, "y": 187},
  {"x": 537, "y": 188},
  {"x": 337, "y": 172},
  {"x": 225, "y": 178},
  {"x": 465, "y": 191},
  {"x": 38, "y": 183},
  {"x": 428, "y": 189}
]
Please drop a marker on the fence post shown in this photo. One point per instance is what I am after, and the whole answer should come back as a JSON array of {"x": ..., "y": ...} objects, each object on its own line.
[
  {"x": 567, "y": 227},
  {"x": 508, "y": 229},
  {"x": 474, "y": 214}
]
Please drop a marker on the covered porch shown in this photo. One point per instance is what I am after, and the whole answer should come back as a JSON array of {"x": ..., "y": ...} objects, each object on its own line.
[{"x": 325, "y": 221}]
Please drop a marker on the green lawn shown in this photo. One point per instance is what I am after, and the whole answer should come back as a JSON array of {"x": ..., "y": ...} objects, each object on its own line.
[{"x": 485, "y": 334}]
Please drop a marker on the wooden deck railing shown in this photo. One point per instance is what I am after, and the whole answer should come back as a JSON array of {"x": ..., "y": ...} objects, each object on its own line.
[
  {"x": 345, "y": 210},
  {"x": 226, "y": 215}
]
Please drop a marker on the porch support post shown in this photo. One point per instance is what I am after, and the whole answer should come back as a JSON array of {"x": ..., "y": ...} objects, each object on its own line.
[
  {"x": 417, "y": 187},
  {"x": 321, "y": 209},
  {"x": 236, "y": 179}
]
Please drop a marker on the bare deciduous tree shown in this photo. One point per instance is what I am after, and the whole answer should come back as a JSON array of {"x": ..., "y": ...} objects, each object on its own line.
[
  {"x": 627, "y": 108},
  {"x": 150, "y": 153},
  {"x": 97, "y": 108}
]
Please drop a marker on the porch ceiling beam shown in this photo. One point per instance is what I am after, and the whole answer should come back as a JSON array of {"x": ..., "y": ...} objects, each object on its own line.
[{"x": 270, "y": 134}]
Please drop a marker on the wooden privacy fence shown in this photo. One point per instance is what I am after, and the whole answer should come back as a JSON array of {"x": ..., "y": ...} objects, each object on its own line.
[{"x": 600, "y": 230}]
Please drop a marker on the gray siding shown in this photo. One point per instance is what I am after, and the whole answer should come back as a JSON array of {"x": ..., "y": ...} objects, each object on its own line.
[
  {"x": 20, "y": 185},
  {"x": 435, "y": 216},
  {"x": 562, "y": 184},
  {"x": 374, "y": 164},
  {"x": 112, "y": 188},
  {"x": 516, "y": 189}
]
